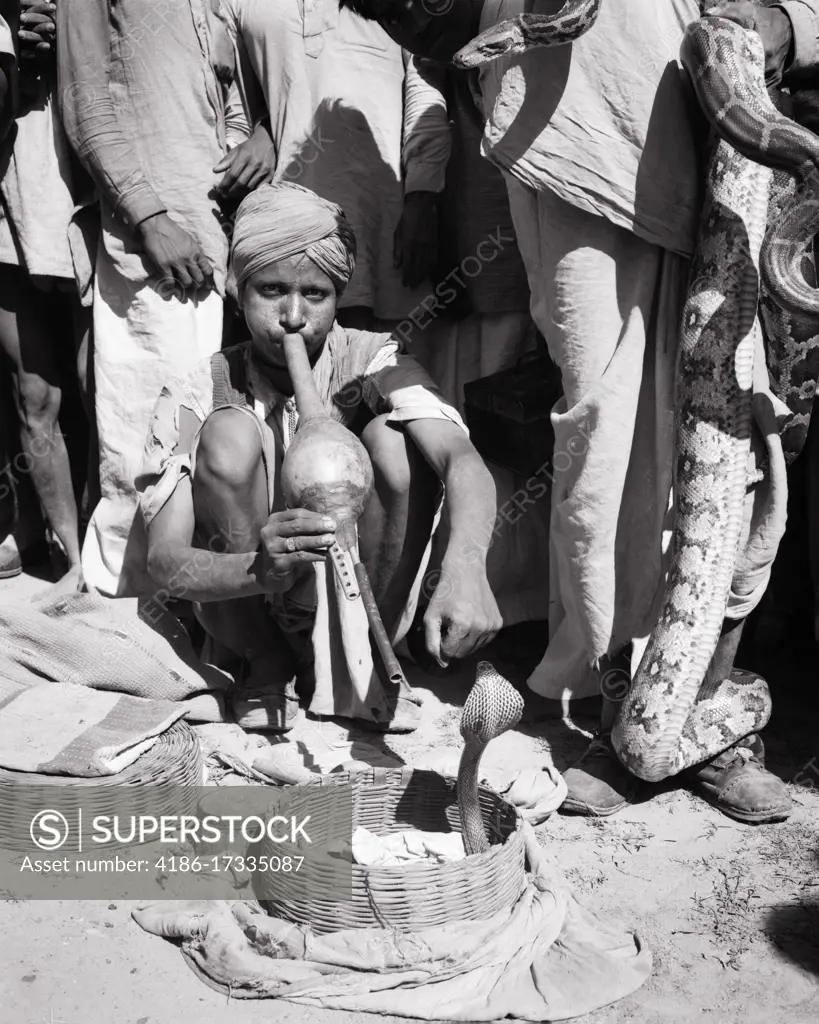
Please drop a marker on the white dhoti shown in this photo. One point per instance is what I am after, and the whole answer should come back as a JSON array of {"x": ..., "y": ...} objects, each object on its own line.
[
  {"x": 143, "y": 335},
  {"x": 609, "y": 305}
]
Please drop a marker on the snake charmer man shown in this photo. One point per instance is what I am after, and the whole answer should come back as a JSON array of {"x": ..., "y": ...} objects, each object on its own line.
[
  {"x": 600, "y": 145},
  {"x": 219, "y": 533}
]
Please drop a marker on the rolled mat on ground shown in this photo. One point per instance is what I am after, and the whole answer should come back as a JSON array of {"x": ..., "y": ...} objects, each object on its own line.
[
  {"x": 58, "y": 730},
  {"x": 544, "y": 959},
  {"x": 87, "y": 686}
]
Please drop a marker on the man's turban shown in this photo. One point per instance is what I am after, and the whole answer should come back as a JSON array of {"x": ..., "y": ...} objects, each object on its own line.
[{"x": 278, "y": 221}]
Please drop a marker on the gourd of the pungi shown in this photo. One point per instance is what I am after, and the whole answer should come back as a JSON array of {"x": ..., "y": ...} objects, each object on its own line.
[{"x": 327, "y": 469}]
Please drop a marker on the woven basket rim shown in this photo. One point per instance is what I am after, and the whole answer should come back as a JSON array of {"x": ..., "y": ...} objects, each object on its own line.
[
  {"x": 415, "y": 894},
  {"x": 419, "y": 868}
]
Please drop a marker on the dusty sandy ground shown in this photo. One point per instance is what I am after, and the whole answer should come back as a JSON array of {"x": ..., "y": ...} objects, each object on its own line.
[{"x": 730, "y": 912}]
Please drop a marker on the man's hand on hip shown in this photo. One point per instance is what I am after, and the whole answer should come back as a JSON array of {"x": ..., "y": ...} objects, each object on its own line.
[
  {"x": 175, "y": 254},
  {"x": 771, "y": 23}
]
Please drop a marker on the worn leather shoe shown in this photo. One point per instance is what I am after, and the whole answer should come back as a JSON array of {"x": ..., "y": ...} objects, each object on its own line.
[
  {"x": 598, "y": 784},
  {"x": 11, "y": 564},
  {"x": 737, "y": 783}
]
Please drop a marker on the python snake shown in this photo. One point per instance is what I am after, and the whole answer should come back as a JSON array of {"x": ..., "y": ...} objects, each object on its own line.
[
  {"x": 526, "y": 31},
  {"x": 742, "y": 276},
  {"x": 792, "y": 338},
  {"x": 668, "y": 721},
  {"x": 492, "y": 707}
]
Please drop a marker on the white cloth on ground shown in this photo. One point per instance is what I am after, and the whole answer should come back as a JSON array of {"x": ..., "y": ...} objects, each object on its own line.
[
  {"x": 545, "y": 958},
  {"x": 536, "y": 792}
]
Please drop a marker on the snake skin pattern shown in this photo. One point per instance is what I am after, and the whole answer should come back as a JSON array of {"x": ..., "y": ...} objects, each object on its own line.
[
  {"x": 791, "y": 336},
  {"x": 792, "y": 340},
  {"x": 667, "y": 723},
  {"x": 741, "y": 279},
  {"x": 527, "y": 31},
  {"x": 492, "y": 707}
]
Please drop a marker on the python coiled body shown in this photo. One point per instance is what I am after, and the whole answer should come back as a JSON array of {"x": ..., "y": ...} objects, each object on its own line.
[
  {"x": 667, "y": 723},
  {"x": 669, "y": 720},
  {"x": 792, "y": 338}
]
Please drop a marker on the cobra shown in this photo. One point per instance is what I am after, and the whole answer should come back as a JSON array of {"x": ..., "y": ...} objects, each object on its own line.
[{"x": 492, "y": 707}]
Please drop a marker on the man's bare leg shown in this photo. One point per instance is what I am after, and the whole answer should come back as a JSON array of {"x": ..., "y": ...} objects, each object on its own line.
[
  {"x": 230, "y": 501},
  {"x": 396, "y": 525},
  {"x": 84, "y": 348},
  {"x": 27, "y": 340}
]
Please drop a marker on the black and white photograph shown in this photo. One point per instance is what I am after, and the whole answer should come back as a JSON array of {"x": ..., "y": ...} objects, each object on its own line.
[{"x": 409, "y": 511}]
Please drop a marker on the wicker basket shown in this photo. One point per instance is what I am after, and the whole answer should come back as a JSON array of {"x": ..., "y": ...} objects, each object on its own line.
[
  {"x": 409, "y": 897},
  {"x": 173, "y": 764}
]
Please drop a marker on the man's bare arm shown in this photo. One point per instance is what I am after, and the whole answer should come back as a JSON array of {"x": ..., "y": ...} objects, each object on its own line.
[
  {"x": 177, "y": 566},
  {"x": 289, "y": 541},
  {"x": 470, "y": 488},
  {"x": 463, "y": 615}
]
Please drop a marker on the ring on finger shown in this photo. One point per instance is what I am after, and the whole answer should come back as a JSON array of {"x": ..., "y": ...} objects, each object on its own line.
[{"x": 290, "y": 544}]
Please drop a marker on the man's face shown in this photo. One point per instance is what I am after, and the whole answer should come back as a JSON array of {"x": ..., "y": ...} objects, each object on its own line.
[
  {"x": 435, "y": 29},
  {"x": 289, "y": 297}
]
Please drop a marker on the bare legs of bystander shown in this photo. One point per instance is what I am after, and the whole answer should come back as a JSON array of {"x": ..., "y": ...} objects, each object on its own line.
[{"x": 32, "y": 329}]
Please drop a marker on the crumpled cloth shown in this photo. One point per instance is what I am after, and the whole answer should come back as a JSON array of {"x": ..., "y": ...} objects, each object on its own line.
[
  {"x": 101, "y": 642},
  {"x": 371, "y": 850},
  {"x": 87, "y": 686},
  {"x": 536, "y": 792},
  {"x": 544, "y": 959}
]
